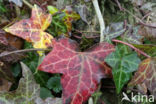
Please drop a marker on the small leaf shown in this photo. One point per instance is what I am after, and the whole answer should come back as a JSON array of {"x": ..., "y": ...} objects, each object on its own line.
[
  {"x": 123, "y": 64},
  {"x": 45, "y": 93},
  {"x": 83, "y": 11},
  {"x": 52, "y": 9},
  {"x": 54, "y": 83},
  {"x": 69, "y": 16},
  {"x": 81, "y": 71}
]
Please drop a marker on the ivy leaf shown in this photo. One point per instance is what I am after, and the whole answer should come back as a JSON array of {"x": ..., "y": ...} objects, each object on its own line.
[
  {"x": 133, "y": 36},
  {"x": 123, "y": 64},
  {"x": 114, "y": 30},
  {"x": 45, "y": 93},
  {"x": 32, "y": 29},
  {"x": 58, "y": 25},
  {"x": 81, "y": 71},
  {"x": 54, "y": 83},
  {"x": 146, "y": 74},
  {"x": 69, "y": 16},
  {"x": 26, "y": 92}
]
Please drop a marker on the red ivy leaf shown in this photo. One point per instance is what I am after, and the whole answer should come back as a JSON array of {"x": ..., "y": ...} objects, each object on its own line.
[
  {"x": 146, "y": 74},
  {"x": 81, "y": 71}
]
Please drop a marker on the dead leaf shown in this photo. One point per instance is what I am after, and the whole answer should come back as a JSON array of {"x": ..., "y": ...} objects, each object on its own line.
[
  {"x": 148, "y": 32},
  {"x": 27, "y": 91},
  {"x": 4, "y": 85}
]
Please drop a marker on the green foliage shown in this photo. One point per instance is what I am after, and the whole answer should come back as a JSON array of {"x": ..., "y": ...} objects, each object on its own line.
[
  {"x": 112, "y": 12},
  {"x": 32, "y": 62},
  {"x": 16, "y": 69},
  {"x": 54, "y": 84},
  {"x": 86, "y": 43},
  {"x": 123, "y": 63},
  {"x": 57, "y": 26},
  {"x": 42, "y": 78},
  {"x": 45, "y": 93},
  {"x": 62, "y": 20},
  {"x": 147, "y": 48},
  {"x": 2, "y": 7}
]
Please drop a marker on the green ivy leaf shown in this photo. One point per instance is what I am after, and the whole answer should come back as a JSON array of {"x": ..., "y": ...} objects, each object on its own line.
[
  {"x": 123, "y": 63},
  {"x": 131, "y": 62},
  {"x": 54, "y": 84},
  {"x": 121, "y": 77},
  {"x": 45, "y": 93}
]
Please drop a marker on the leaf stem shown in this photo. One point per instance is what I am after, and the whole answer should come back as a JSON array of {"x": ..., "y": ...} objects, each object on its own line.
[
  {"x": 137, "y": 50},
  {"x": 23, "y": 51},
  {"x": 100, "y": 18}
]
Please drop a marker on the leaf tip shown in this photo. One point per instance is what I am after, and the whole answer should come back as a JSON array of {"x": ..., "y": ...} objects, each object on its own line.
[{"x": 6, "y": 29}]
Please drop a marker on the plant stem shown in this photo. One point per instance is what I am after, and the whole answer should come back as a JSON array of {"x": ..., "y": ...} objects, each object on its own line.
[
  {"x": 100, "y": 18},
  {"x": 23, "y": 51},
  {"x": 28, "y": 4},
  {"x": 137, "y": 50}
]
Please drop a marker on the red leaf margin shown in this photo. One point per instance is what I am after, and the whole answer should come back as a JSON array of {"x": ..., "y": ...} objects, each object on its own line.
[{"x": 81, "y": 71}]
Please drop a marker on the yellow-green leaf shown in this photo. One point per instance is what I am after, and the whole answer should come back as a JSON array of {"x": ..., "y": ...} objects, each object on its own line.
[{"x": 33, "y": 29}]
